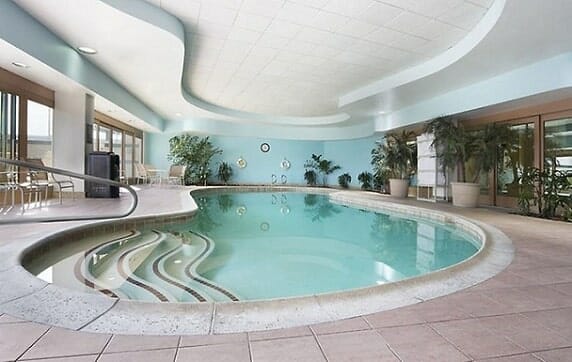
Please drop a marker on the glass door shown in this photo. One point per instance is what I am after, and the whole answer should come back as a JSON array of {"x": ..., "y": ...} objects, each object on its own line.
[{"x": 512, "y": 163}]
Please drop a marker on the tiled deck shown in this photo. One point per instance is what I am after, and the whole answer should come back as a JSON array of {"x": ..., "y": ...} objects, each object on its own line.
[{"x": 522, "y": 314}]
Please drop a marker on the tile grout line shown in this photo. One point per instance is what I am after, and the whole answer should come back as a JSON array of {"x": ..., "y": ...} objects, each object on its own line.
[
  {"x": 99, "y": 316},
  {"x": 104, "y": 347},
  {"x": 450, "y": 342},
  {"x": 318, "y": 343},
  {"x": 249, "y": 347},
  {"x": 24, "y": 296},
  {"x": 33, "y": 344},
  {"x": 177, "y": 349},
  {"x": 378, "y": 332}
]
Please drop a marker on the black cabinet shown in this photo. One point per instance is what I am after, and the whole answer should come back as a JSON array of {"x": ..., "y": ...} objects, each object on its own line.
[{"x": 104, "y": 165}]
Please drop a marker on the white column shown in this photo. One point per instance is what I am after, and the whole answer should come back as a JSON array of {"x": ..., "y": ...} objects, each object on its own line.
[{"x": 72, "y": 114}]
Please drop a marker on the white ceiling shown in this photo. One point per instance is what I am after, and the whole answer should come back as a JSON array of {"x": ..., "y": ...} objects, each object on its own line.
[
  {"x": 271, "y": 57},
  {"x": 295, "y": 58}
]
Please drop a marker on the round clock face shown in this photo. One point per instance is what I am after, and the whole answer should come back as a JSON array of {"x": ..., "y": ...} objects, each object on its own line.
[{"x": 265, "y": 147}]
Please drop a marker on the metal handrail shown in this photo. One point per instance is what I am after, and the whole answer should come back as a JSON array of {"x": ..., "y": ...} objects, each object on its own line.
[{"x": 99, "y": 180}]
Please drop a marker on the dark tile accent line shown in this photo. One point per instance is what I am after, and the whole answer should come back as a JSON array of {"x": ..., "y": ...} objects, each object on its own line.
[
  {"x": 175, "y": 283},
  {"x": 89, "y": 283},
  {"x": 202, "y": 281},
  {"x": 137, "y": 283}
]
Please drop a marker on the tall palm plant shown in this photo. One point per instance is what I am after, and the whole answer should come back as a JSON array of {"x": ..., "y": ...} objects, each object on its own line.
[
  {"x": 322, "y": 166},
  {"x": 396, "y": 155},
  {"x": 452, "y": 145}
]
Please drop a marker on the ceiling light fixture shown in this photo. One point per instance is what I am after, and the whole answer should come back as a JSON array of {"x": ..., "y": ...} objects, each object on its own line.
[
  {"x": 382, "y": 112},
  {"x": 178, "y": 114},
  {"x": 87, "y": 50},
  {"x": 20, "y": 65}
]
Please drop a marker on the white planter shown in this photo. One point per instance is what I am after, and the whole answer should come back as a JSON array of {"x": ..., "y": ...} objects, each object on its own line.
[
  {"x": 466, "y": 194},
  {"x": 398, "y": 187}
]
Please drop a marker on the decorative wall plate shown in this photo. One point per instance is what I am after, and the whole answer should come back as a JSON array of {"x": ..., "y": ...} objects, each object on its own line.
[
  {"x": 285, "y": 164},
  {"x": 265, "y": 147}
]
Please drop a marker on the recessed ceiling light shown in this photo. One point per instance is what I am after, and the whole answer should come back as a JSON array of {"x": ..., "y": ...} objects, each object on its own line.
[
  {"x": 382, "y": 112},
  {"x": 178, "y": 114},
  {"x": 20, "y": 65},
  {"x": 87, "y": 50}
]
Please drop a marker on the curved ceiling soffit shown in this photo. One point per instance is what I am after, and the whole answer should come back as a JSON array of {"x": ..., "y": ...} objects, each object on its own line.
[
  {"x": 286, "y": 132},
  {"x": 432, "y": 66},
  {"x": 20, "y": 29},
  {"x": 162, "y": 19}
]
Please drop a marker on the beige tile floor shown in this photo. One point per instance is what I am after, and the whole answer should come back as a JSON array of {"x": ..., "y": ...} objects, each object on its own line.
[{"x": 522, "y": 314}]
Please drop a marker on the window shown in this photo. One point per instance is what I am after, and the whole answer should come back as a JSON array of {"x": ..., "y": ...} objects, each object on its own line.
[
  {"x": 39, "y": 132},
  {"x": 511, "y": 164},
  {"x": 9, "y": 125},
  {"x": 128, "y": 155},
  {"x": 104, "y": 139},
  {"x": 110, "y": 135},
  {"x": 558, "y": 145}
]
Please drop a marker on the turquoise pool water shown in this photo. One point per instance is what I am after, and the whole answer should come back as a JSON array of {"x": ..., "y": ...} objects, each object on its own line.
[{"x": 259, "y": 245}]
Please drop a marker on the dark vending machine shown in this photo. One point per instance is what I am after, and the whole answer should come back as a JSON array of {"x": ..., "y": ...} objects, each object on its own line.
[{"x": 104, "y": 165}]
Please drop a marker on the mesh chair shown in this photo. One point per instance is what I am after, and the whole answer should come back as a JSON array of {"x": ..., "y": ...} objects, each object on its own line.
[
  {"x": 9, "y": 184},
  {"x": 141, "y": 173},
  {"x": 45, "y": 179}
]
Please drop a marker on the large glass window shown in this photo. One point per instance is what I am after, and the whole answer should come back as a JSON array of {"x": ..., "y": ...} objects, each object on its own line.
[
  {"x": 39, "y": 132},
  {"x": 128, "y": 157},
  {"x": 138, "y": 155},
  {"x": 9, "y": 125},
  {"x": 104, "y": 139},
  {"x": 558, "y": 145},
  {"x": 123, "y": 141},
  {"x": 511, "y": 164}
]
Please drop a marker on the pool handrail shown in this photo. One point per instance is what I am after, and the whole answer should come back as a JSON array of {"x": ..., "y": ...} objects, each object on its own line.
[{"x": 99, "y": 180}]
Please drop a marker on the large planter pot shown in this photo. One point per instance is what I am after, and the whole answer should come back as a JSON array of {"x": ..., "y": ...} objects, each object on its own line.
[
  {"x": 466, "y": 194},
  {"x": 398, "y": 187}
]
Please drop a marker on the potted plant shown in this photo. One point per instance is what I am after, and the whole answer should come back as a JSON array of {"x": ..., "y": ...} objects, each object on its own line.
[
  {"x": 224, "y": 172},
  {"x": 366, "y": 179},
  {"x": 457, "y": 149},
  {"x": 344, "y": 180},
  {"x": 195, "y": 153},
  {"x": 320, "y": 165},
  {"x": 396, "y": 155}
]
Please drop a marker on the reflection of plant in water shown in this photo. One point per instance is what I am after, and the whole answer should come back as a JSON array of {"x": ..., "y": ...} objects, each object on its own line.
[
  {"x": 202, "y": 220},
  {"x": 319, "y": 207},
  {"x": 310, "y": 199},
  {"x": 225, "y": 202}
]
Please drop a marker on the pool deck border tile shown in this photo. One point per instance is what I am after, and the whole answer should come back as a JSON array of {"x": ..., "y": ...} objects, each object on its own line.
[{"x": 33, "y": 300}]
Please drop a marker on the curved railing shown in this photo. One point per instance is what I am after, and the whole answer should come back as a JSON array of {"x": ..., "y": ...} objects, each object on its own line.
[{"x": 99, "y": 180}]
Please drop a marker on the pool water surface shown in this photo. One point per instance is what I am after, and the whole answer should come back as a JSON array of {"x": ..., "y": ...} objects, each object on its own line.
[{"x": 257, "y": 246}]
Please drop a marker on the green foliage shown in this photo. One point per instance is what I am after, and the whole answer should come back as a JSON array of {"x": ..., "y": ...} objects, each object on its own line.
[
  {"x": 311, "y": 177},
  {"x": 452, "y": 144},
  {"x": 366, "y": 179},
  {"x": 320, "y": 166},
  {"x": 380, "y": 179},
  {"x": 344, "y": 180},
  {"x": 318, "y": 207},
  {"x": 224, "y": 172},
  {"x": 395, "y": 156},
  {"x": 549, "y": 190},
  {"x": 455, "y": 146},
  {"x": 194, "y": 152}
]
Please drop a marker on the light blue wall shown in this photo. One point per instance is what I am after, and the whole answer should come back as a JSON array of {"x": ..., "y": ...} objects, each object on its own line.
[{"x": 352, "y": 155}]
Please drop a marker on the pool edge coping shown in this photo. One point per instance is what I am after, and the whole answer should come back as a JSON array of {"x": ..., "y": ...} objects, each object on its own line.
[{"x": 131, "y": 317}]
